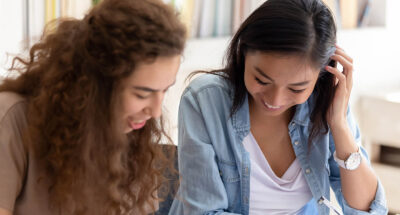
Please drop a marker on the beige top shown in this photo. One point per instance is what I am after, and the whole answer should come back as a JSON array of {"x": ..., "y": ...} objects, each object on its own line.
[{"x": 20, "y": 191}]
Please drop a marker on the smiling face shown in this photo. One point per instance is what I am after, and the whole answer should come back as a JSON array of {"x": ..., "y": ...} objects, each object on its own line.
[
  {"x": 143, "y": 91},
  {"x": 277, "y": 82}
]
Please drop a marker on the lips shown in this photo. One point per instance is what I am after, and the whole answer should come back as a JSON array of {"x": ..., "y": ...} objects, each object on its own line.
[{"x": 137, "y": 125}]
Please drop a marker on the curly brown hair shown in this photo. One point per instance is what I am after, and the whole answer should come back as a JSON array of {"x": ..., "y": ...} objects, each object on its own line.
[{"x": 71, "y": 81}]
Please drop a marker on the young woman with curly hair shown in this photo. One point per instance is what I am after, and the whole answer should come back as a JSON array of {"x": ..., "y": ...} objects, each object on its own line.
[{"x": 80, "y": 125}]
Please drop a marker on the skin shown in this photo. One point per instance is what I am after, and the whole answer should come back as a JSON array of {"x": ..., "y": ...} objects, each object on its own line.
[
  {"x": 276, "y": 84},
  {"x": 271, "y": 79},
  {"x": 4, "y": 212},
  {"x": 143, "y": 91}
]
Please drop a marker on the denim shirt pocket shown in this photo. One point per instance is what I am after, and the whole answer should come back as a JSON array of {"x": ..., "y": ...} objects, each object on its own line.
[{"x": 228, "y": 171}]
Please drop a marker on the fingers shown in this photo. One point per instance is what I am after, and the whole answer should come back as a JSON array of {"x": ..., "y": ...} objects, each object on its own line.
[
  {"x": 347, "y": 63},
  {"x": 347, "y": 68},
  {"x": 340, "y": 76},
  {"x": 341, "y": 52}
]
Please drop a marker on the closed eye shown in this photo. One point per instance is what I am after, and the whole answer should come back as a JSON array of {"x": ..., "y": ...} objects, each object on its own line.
[
  {"x": 264, "y": 83},
  {"x": 140, "y": 96},
  {"x": 260, "y": 82},
  {"x": 296, "y": 91}
]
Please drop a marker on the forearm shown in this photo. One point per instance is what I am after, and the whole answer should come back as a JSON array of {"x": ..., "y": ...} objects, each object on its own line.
[{"x": 358, "y": 186}]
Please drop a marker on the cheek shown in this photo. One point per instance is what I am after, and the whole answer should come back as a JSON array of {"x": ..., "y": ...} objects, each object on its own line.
[
  {"x": 130, "y": 105},
  {"x": 303, "y": 97},
  {"x": 252, "y": 86}
]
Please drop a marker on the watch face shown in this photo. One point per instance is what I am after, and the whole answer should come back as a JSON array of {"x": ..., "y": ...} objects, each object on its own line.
[{"x": 353, "y": 161}]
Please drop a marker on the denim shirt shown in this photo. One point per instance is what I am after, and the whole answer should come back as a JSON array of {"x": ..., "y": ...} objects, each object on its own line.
[{"x": 215, "y": 167}]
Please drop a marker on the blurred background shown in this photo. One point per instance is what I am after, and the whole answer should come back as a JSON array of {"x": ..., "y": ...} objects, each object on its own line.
[{"x": 369, "y": 31}]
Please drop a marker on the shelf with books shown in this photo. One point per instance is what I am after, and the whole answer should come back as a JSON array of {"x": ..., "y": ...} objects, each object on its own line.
[
  {"x": 40, "y": 12},
  {"x": 358, "y": 13},
  {"x": 216, "y": 18}
]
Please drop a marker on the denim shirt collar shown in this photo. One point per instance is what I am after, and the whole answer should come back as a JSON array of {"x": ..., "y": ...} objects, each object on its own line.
[
  {"x": 302, "y": 114},
  {"x": 241, "y": 118}
]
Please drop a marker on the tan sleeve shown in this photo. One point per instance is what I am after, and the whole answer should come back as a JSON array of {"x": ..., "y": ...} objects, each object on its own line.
[{"x": 13, "y": 156}]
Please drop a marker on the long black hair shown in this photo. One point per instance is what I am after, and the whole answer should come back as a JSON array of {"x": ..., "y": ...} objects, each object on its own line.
[{"x": 289, "y": 27}]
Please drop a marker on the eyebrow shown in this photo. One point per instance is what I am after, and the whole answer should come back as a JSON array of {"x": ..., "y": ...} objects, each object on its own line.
[
  {"x": 148, "y": 89},
  {"x": 267, "y": 77}
]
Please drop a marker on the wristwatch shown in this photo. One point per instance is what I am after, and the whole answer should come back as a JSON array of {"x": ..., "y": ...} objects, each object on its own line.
[{"x": 351, "y": 163}]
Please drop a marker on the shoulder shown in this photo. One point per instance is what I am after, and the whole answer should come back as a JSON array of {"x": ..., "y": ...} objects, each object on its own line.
[
  {"x": 208, "y": 84},
  {"x": 208, "y": 94},
  {"x": 13, "y": 153},
  {"x": 12, "y": 110}
]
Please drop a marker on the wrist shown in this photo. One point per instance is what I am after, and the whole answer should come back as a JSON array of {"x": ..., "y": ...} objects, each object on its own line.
[
  {"x": 343, "y": 139},
  {"x": 339, "y": 126},
  {"x": 352, "y": 162}
]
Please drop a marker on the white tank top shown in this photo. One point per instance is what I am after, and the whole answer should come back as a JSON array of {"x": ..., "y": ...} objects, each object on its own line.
[{"x": 270, "y": 194}]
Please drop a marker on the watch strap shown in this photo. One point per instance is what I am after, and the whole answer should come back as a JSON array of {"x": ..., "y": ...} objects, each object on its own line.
[{"x": 341, "y": 162}]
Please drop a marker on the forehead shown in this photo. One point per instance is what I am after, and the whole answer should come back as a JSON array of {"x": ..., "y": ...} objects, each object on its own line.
[
  {"x": 158, "y": 73},
  {"x": 282, "y": 67}
]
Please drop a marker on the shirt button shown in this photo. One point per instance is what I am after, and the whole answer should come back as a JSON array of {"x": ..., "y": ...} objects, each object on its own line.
[
  {"x": 293, "y": 123},
  {"x": 296, "y": 143},
  {"x": 320, "y": 201},
  {"x": 308, "y": 171}
]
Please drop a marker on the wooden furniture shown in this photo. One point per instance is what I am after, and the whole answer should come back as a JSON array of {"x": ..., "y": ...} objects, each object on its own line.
[{"x": 379, "y": 120}]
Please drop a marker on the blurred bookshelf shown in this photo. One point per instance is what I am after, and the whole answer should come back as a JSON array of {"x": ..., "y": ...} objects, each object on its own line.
[
  {"x": 24, "y": 22},
  {"x": 213, "y": 18},
  {"x": 38, "y": 13},
  {"x": 218, "y": 18},
  {"x": 203, "y": 18}
]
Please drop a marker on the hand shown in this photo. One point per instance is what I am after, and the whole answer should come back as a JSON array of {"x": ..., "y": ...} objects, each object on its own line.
[{"x": 344, "y": 82}]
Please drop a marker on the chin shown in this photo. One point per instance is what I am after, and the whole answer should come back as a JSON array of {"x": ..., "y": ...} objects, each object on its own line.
[
  {"x": 128, "y": 130},
  {"x": 275, "y": 113}
]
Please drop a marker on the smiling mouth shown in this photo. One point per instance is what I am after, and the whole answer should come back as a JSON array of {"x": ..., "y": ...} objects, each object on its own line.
[
  {"x": 137, "y": 124},
  {"x": 272, "y": 106}
]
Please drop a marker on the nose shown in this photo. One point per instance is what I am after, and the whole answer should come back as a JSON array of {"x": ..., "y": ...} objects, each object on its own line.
[
  {"x": 154, "y": 108},
  {"x": 275, "y": 97}
]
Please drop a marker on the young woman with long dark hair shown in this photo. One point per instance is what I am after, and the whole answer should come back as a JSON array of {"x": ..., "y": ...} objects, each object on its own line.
[{"x": 272, "y": 132}]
